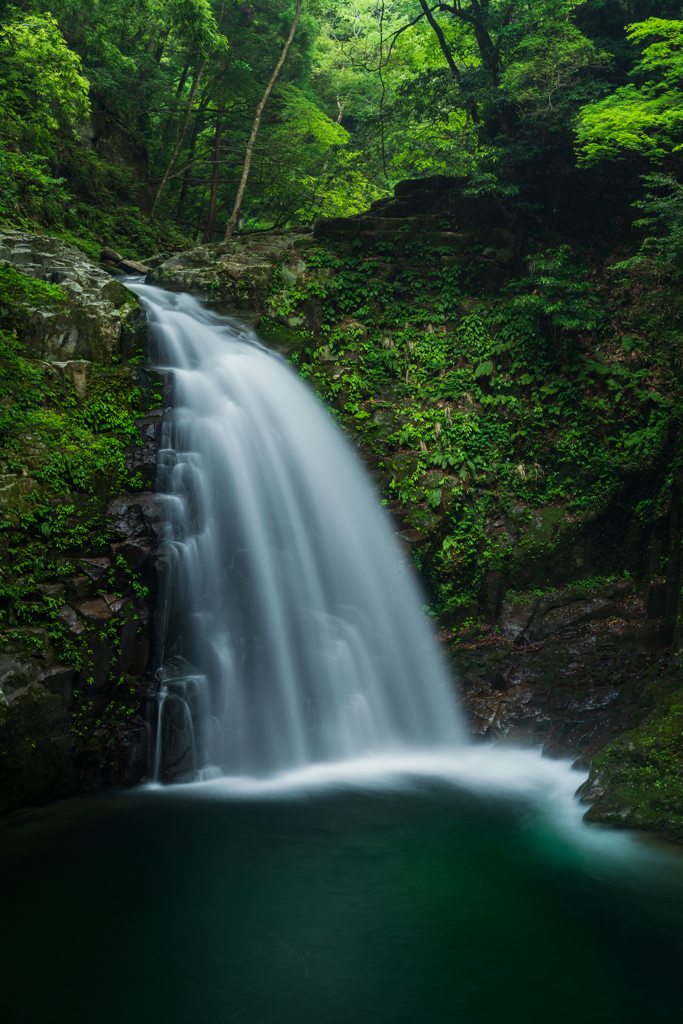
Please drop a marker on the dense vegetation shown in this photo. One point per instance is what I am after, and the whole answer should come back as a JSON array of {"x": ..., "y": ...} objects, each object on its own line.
[
  {"x": 547, "y": 379},
  {"x": 110, "y": 111}
]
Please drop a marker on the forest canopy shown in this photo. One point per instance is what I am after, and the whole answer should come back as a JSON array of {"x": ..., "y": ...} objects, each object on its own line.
[{"x": 131, "y": 120}]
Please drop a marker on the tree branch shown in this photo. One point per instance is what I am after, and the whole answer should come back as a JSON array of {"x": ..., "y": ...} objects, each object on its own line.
[{"x": 442, "y": 41}]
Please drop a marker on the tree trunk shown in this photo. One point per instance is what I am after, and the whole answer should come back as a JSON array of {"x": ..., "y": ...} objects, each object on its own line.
[
  {"x": 474, "y": 113},
  {"x": 210, "y": 220},
  {"x": 442, "y": 41},
  {"x": 178, "y": 94},
  {"x": 190, "y": 157},
  {"x": 193, "y": 93},
  {"x": 232, "y": 223}
]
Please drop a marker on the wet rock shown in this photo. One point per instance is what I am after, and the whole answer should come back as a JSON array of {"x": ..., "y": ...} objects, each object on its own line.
[
  {"x": 235, "y": 276},
  {"x": 155, "y": 261},
  {"x": 636, "y": 780},
  {"x": 101, "y": 319},
  {"x": 569, "y": 692},
  {"x": 133, "y": 267},
  {"x": 37, "y": 740},
  {"x": 78, "y": 586},
  {"x": 135, "y": 552},
  {"x": 95, "y": 610},
  {"x": 135, "y": 515},
  {"x": 68, "y": 617},
  {"x": 15, "y": 490},
  {"x": 571, "y": 614},
  {"x": 27, "y": 658},
  {"x": 111, "y": 255},
  {"x": 94, "y": 568},
  {"x": 413, "y": 538},
  {"x": 142, "y": 458},
  {"x": 177, "y": 746},
  {"x": 540, "y": 614},
  {"x": 516, "y": 615}
]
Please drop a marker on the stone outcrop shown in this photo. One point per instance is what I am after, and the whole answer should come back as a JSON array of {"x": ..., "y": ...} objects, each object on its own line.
[
  {"x": 472, "y": 231},
  {"x": 573, "y": 685},
  {"x": 101, "y": 319},
  {"x": 72, "y": 723},
  {"x": 78, "y": 594},
  {"x": 235, "y": 276},
  {"x": 70, "y": 704}
]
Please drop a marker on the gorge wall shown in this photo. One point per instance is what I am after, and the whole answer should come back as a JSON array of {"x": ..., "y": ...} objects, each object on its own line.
[
  {"x": 516, "y": 403},
  {"x": 79, "y": 526}
]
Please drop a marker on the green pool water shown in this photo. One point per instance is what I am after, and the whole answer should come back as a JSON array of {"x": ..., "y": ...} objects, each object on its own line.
[{"x": 420, "y": 904}]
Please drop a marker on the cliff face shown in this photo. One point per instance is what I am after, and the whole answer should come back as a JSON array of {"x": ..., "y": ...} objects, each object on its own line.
[
  {"x": 517, "y": 406},
  {"x": 79, "y": 417}
]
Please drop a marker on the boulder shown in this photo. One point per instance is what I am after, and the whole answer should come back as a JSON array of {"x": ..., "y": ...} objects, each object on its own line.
[
  {"x": 133, "y": 267},
  {"x": 135, "y": 515},
  {"x": 97, "y": 609},
  {"x": 235, "y": 276},
  {"x": 111, "y": 255},
  {"x": 101, "y": 318}
]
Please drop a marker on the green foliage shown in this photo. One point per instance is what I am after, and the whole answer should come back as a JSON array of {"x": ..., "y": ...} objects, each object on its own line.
[
  {"x": 43, "y": 95},
  {"x": 65, "y": 444},
  {"x": 16, "y": 288},
  {"x": 551, "y": 395},
  {"x": 642, "y": 769},
  {"x": 645, "y": 118},
  {"x": 307, "y": 168},
  {"x": 558, "y": 287},
  {"x": 662, "y": 205},
  {"x": 28, "y": 193},
  {"x": 62, "y": 457}
]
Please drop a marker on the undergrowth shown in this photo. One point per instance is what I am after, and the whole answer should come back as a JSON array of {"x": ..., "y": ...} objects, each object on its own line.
[{"x": 560, "y": 391}]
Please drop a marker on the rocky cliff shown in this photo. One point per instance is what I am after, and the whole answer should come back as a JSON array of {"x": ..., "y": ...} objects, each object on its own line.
[
  {"x": 80, "y": 415},
  {"x": 516, "y": 406}
]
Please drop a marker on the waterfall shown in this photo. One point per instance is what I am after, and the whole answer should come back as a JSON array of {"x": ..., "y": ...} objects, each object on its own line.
[{"x": 294, "y": 625}]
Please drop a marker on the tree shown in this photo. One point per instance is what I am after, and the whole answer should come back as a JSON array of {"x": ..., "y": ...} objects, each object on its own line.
[
  {"x": 644, "y": 117},
  {"x": 207, "y": 38},
  {"x": 43, "y": 94},
  {"x": 232, "y": 223}
]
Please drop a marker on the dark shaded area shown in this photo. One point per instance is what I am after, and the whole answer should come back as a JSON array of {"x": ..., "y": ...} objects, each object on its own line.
[{"x": 382, "y": 908}]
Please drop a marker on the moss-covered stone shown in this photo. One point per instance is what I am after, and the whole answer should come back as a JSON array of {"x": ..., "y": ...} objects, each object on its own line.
[
  {"x": 235, "y": 276},
  {"x": 75, "y": 586},
  {"x": 637, "y": 780},
  {"x": 97, "y": 317}
]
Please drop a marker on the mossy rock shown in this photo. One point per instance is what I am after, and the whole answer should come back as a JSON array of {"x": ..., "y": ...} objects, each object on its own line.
[{"x": 637, "y": 781}]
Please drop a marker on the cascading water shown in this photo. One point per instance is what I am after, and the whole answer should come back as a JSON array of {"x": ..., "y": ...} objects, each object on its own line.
[{"x": 300, "y": 636}]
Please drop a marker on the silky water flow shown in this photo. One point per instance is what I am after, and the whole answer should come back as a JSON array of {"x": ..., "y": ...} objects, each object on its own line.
[{"x": 294, "y": 628}]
